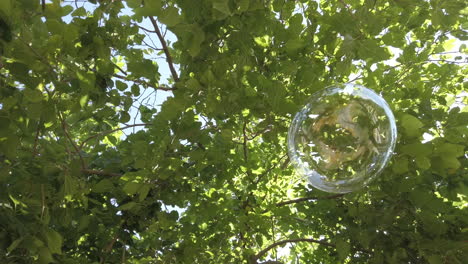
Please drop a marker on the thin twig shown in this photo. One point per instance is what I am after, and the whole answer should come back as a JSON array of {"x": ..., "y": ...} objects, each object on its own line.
[
  {"x": 124, "y": 250},
  {"x": 244, "y": 143},
  {"x": 109, "y": 132},
  {"x": 266, "y": 129},
  {"x": 78, "y": 151},
  {"x": 268, "y": 171},
  {"x": 285, "y": 163},
  {"x": 165, "y": 48},
  {"x": 108, "y": 248},
  {"x": 120, "y": 69},
  {"x": 43, "y": 201},
  {"x": 447, "y": 61},
  {"x": 36, "y": 139},
  {"x": 144, "y": 83},
  {"x": 101, "y": 173},
  {"x": 304, "y": 199},
  {"x": 283, "y": 242},
  {"x": 145, "y": 29}
]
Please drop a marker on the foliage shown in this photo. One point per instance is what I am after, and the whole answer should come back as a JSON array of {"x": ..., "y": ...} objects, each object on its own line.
[{"x": 206, "y": 179}]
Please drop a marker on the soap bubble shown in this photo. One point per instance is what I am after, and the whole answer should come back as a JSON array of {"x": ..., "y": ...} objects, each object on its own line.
[{"x": 342, "y": 138}]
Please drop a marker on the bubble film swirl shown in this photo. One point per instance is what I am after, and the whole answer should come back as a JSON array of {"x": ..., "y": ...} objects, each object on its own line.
[{"x": 342, "y": 138}]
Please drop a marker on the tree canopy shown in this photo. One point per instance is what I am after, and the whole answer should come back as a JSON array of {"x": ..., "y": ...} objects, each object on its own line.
[{"x": 205, "y": 177}]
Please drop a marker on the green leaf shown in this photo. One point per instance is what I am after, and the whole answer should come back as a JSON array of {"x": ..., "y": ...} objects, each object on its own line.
[
  {"x": 14, "y": 244},
  {"x": 10, "y": 146},
  {"x": 400, "y": 166},
  {"x": 131, "y": 187},
  {"x": 222, "y": 6},
  {"x": 81, "y": 11},
  {"x": 434, "y": 259},
  {"x": 127, "y": 206},
  {"x": 153, "y": 7},
  {"x": 144, "y": 68},
  {"x": 143, "y": 192},
  {"x": 195, "y": 40},
  {"x": 170, "y": 16},
  {"x": 33, "y": 95},
  {"x": 135, "y": 90},
  {"x": 124, "y": 117},
  {"x": 450, "y": 162},
  {"x": 423, "y": 162},
  {"x": 449, "y": 149},
  {"x": 6, "y": 7},
  {"x": 84, "y": 101},
  {"x": 104, "y": 185},
  {"x": 417, "y": 149},
  {"x": 447, "y": 155},
  {"x": 343, "y": 248},
  {"x": 45, "y": 256},
  {"x": 84, "y": 222},
  {"x": 411, "y": 125},
  {"x": 293, "y": 45},
  {"x": 136, "y": 3},
  {"x": 121, "y": 86},
  {"x": 193, "y": 84},
  {"x": 66, "y": 10},
  {"x": 263, "y": 41},
  {"x": 243, "y": 5},
  {"x": 54, "y": 241}
]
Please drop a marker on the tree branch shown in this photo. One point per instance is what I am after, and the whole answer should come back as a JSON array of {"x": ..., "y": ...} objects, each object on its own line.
[
  {"x": 102, "y": 173},
  {"x": 145, "y": 29},
  {"x": 165, "y": 48},
  {"x": 244, "y": 143},
  {"x": 36, "y": 139},
  {"x": 43, "y": 203},
  {"x": 108, "y": 248},
  {"x": 266, "y": 129},
  {"x": 255, "y": 257},
  {"x": 65, "y": 130},
  {"x": 304, "y": 199},
  {"x": 269, "y": 169},
  {"x": 144, "y": 83},
  {"x": 109, "y": 132},
  {"x": 121, "y": 70}
]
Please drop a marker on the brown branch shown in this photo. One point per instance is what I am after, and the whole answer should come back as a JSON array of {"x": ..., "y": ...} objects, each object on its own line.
[
  {"x": 124, "y": 250},
  {"x": 266, "y": 129},
  {"x": 144, "y": 83},
  {"x": 304, "y": 199},
  {"x": 255, "y": 257},
  {"x": 447, "y": 61},
  {"x": 121, "y": 70},
  {"x": 244, "y": 143},
  {"x": 78, "y": 151},
  {"x": 36, "y": 139},
  {"x": 165, "y": 48},
  {"x": 109, "y": 132},
  {"x": 43, "y": 201},
  {"x": 145, "y": 29},
  {"x": 108, "y": 248},
  {"x": 269, "y": 170},
  {"x": 285, "y": 163},
  {"x": 102, "y": 173}
]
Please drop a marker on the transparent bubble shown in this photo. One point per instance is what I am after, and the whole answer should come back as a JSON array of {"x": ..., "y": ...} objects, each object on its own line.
[{"x": 342, "y": 138}]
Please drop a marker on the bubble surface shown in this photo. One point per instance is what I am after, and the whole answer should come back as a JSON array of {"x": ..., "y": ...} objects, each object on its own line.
[{"x": 342, "y": 138}]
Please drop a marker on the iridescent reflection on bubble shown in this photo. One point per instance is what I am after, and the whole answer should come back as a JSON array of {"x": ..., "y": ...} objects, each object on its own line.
[{"x": 342, "y": 138}]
